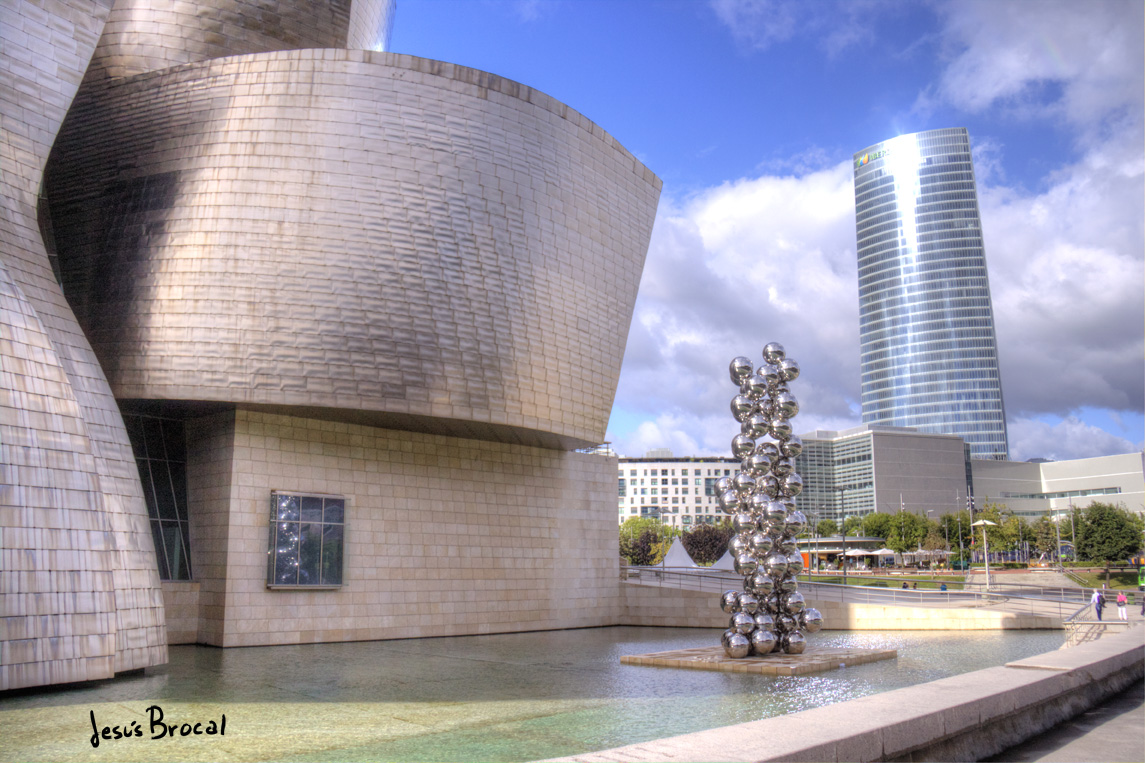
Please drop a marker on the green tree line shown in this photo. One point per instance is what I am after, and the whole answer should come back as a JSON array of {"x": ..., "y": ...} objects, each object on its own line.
[{"x": 1104, "y": 533}]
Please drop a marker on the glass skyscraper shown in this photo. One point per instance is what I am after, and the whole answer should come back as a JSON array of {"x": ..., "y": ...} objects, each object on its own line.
[{"x": 928, "y": 351}]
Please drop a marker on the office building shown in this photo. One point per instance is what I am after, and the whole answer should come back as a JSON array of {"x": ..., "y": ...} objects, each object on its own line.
[
  {"x": 871, "y": 468},
  {"x": 929, "y": 356},
  {"x": 359, "y": 311}
]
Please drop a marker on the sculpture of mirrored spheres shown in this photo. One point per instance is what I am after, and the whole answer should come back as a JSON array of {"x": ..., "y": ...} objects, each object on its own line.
[{"x": 769, "y": 615}]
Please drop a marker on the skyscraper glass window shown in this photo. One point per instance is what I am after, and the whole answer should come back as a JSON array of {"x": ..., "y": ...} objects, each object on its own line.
[{"x": 928, "y": 350}]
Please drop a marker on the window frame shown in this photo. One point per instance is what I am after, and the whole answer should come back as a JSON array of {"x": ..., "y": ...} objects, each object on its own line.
[{"x": 272, "y": 538}]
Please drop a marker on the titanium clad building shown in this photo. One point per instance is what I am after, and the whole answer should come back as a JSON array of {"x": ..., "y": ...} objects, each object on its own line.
[
  {"x": 298, "y": 338},
  {"x": 928, "y": 350}
]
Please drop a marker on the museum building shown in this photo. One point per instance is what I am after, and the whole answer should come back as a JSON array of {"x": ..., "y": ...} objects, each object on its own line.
[{"x": 300, "y": 338}]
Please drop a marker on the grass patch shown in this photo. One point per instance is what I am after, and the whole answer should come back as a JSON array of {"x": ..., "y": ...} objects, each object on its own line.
[{"x": 1117, "y": 579}]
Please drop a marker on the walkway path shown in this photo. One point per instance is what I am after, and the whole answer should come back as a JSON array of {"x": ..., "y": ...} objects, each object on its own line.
[{"x": 1112, "y": 732}]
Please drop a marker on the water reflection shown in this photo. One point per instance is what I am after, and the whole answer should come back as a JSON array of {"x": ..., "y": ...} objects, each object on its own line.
[{"x": 523, "y": 696}]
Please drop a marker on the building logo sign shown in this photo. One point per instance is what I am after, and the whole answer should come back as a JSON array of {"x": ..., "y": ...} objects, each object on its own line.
[{"x": 866, "y": 158}]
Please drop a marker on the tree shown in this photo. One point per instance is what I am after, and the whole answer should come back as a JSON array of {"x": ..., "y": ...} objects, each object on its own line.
[
  {"x": 1108, "y": 533},
  {"x": 907, "y": 531},
  {"x": 827, "y": 527},
  {"x": 853, "y": 525},
  {"x": 707, "y": 543},
  {"x": 877, "y": 525},
  {"x": 645, "y": 540},
  {"x": 1045, "y": 537}
]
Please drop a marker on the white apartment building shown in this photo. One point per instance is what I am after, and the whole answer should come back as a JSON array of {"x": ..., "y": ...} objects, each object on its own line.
[{"x": 681, "y": 492}]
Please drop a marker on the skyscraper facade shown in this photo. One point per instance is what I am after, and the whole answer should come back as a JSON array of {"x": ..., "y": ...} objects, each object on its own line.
[{"x": 928, "y": 349}]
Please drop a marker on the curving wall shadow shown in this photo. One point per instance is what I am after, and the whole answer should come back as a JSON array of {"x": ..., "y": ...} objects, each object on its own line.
[{"x": 81, "y": 597}]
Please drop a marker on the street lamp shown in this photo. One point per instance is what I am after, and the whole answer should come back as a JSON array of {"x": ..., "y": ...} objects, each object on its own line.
[
  {"x": 843, "y": 530},
  {"x": 984, "y": 523}
]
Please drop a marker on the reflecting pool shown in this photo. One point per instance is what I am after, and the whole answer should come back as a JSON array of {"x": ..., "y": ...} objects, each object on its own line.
[{"x": 509, "y": 697}]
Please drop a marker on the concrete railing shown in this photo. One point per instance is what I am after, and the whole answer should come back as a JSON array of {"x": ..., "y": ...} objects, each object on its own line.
[{"x": 966, "y": 717}]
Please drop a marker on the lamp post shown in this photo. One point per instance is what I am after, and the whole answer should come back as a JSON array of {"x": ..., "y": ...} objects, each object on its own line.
[
  {"x": 984, "y": 523},
  {"x": 960, "y": 562},
  {"x": 843, "y": 530}
]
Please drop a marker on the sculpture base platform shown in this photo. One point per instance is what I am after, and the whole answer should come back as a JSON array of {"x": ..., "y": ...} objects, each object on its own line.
[{"x": 813, "y": 660}]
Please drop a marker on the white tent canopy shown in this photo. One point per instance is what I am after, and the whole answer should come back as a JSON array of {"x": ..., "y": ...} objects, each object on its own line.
[
  {"x": 725, "y": 562},
  {"x": 677, "y": 556},
  {"x": 884, "y": 552},
  {"x": 859, "y": 552}
]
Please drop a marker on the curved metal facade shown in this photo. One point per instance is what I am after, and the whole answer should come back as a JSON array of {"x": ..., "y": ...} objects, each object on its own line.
[
  {"x": 929, "y": 354},
  {"x": 353, "y": 235},
  {"x": 80, "y": 597}
]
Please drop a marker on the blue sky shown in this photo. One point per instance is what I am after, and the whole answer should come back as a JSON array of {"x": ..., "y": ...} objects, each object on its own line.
[{"x": 750, "y": 110}]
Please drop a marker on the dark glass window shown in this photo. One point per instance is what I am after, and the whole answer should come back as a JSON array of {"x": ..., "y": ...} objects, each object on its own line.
[
  {"x": 161, "y": 455},
  {"x": 306, "y": 540}
]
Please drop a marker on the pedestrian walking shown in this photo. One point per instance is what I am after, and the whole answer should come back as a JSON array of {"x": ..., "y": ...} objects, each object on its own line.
[
  {"x": 1122, "y": 605},
  {"x": 1098, "y": 602}
]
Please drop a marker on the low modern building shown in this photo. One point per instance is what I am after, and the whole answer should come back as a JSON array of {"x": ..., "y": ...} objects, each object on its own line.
[
  {"x": 299, "y": 339},
  {"x": 681, "y": 492},
  {"x": 1038, "y": 489},
  {"x": 881, "y": 468}
]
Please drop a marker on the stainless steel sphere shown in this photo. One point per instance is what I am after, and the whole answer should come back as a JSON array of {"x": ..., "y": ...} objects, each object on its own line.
[
  {"x": 773, "y": 352},
  {"x": 742, "y": 407},
  {"x": 729, "y": 602},
  {"x": 794, "y": 642},
  {"x": 727, "y": 636},
  {"x": 757, "y": 504},
  {"x": 786, "y": 405},
  {"x": 795, "y": 563},
  {"x": 757, "y": 425},
  {"x": 788, "y": 369},
  {"x": 764, "y": 621},
  {"x": 787, "y": 584},
  {"x": 759, "y": 544},
  {"x": 796, "y": 522},
  {"x": 784, "y": 623},
  {"x": 788, "y": 544},
  {"x": 768, "y": 448},
  {"x": 749, "y": 604},
  {"x": 738, "y": 646},
  {"x": 793, "y": 603},
  {"x": 761, "y": 584},
  {"x": 757, "y": 463},
  {"x": 742, "y": 446},
  {"x": 791, "y": 447},
  {"x": 811, "y": 620},
  {"x": 754, "y": 387},
  {"x": 739, "y": 369},
  {"x": 781, "y": 467},
  {"x": 762, "y": 642},
  {"x": 776, "y": 513},
  {"x": 780, "y": 428},
  {"x": 723, "y": 483},
  {"x": 770, "y": 374},
  {"x": 744, "y": 522},
  {"x": 775, "y": 565},
  {"x": 768, "y": 484},
  {"x": 745, "y": 564},
  {"x": 730, "y": 501},
  {"x": 738, "y": 543},
  {"x": 743, "y": 484},
  {"x": 742, "y": 622},
  {"x": 792, "y": 485}
]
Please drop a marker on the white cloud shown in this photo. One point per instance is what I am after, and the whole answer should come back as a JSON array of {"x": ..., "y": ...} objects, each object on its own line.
[
  {"x": 770, "y": 259},
  {"x": 773, "y": 258},
  {"x": 1059, "y": 58},
  {"x": 1069, "y": 438},
  {"x": 836, "y": 26}
]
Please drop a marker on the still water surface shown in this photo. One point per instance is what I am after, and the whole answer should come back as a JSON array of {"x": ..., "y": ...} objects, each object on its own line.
[{"x": 510, "y": 697}]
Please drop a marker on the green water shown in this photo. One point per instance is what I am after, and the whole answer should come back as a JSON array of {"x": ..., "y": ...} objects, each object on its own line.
[{"x": 508, "y": 697}]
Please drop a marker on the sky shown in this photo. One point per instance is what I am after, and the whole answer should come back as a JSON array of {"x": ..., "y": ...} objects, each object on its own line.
[{"x": 750, "y": 112}]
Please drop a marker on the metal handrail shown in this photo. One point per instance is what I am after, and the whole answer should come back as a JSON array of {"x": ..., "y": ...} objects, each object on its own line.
[{"x": 717, "y": 581}]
